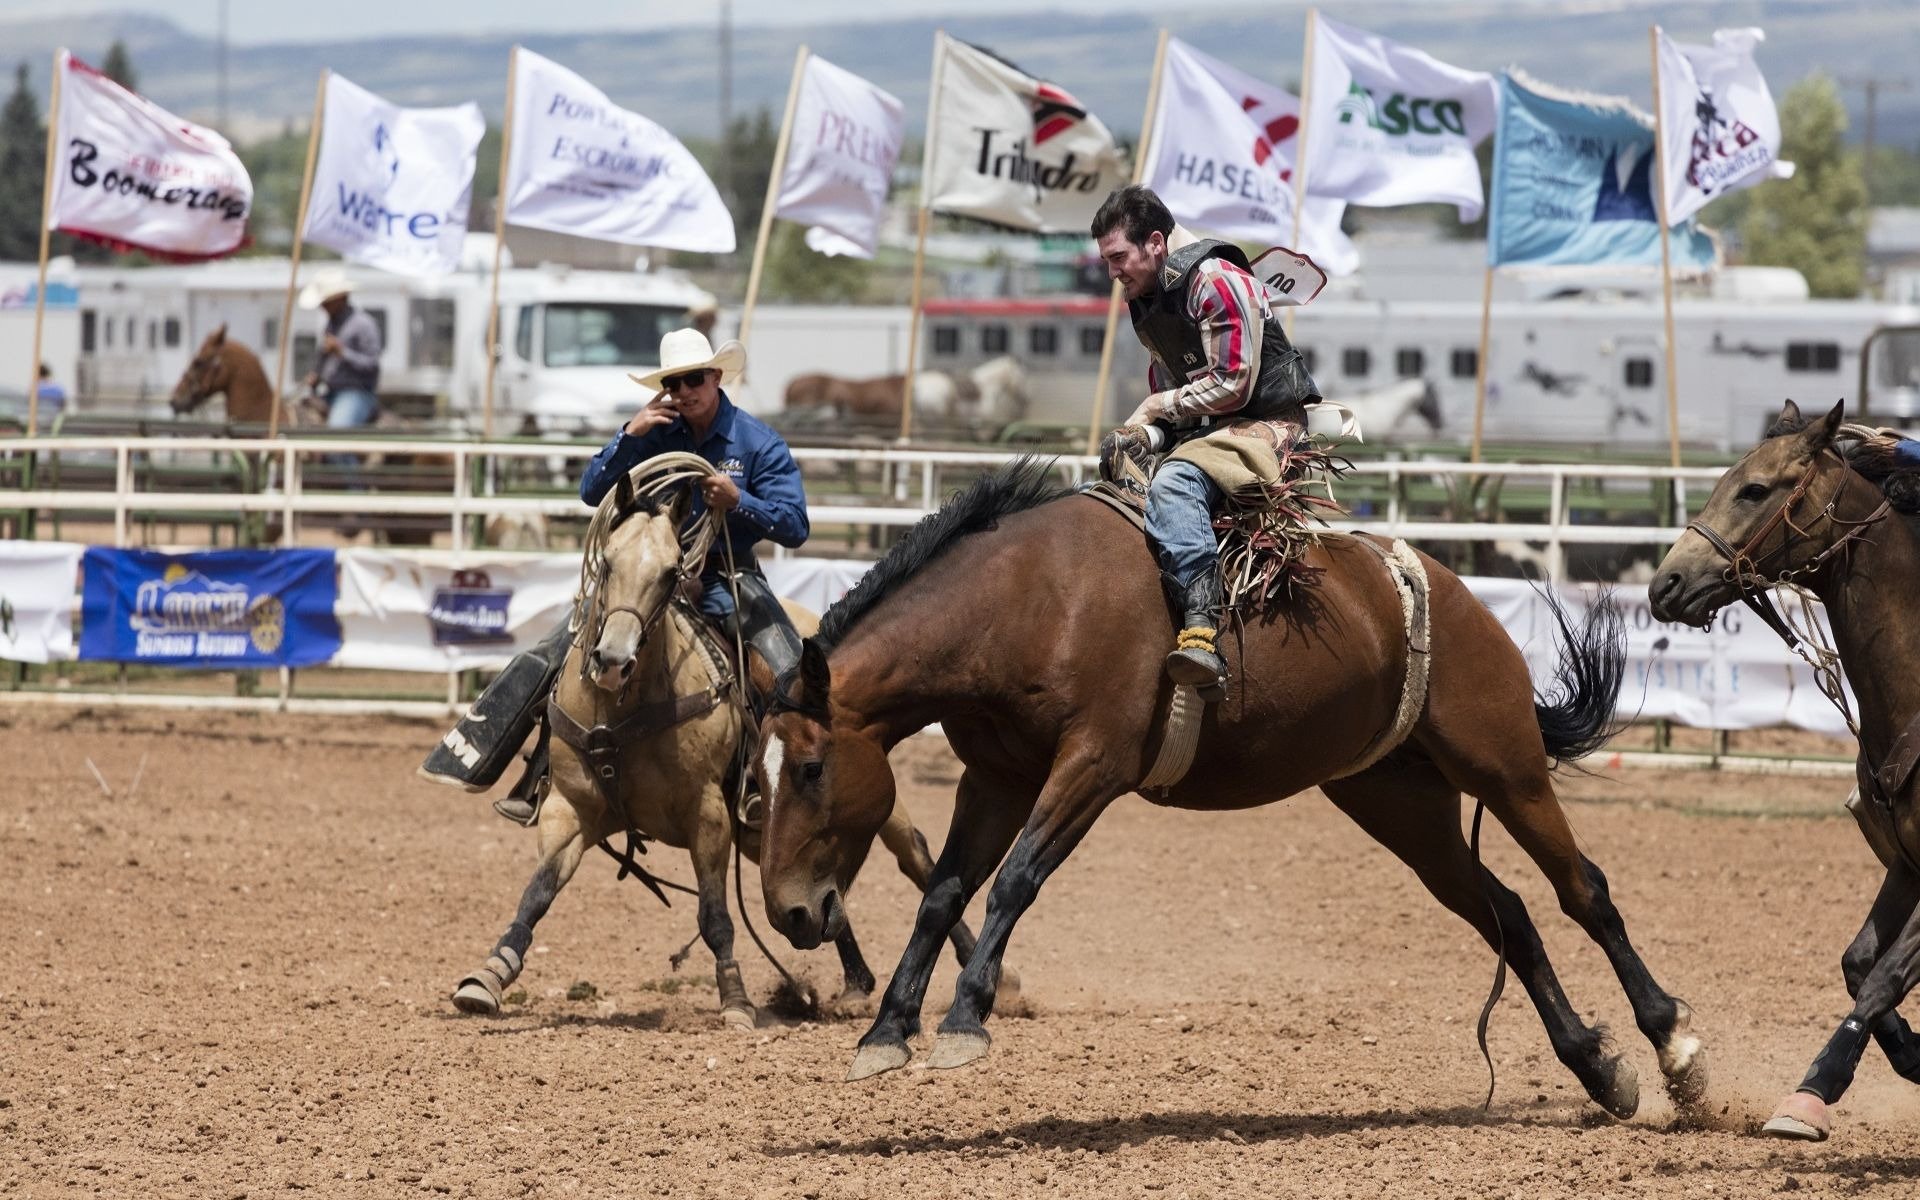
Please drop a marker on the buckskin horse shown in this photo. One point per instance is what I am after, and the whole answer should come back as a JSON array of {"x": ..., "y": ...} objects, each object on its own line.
[
  {"x": 1031, "y": 624},
  {"x": 645, "y": 731},
  {"x": 1804, "y": 507}
]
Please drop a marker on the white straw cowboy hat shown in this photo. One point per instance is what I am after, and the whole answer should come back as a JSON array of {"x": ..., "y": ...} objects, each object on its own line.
[
  {"x": 325, "y": 286},
  {"x": 686, "y": 350}
]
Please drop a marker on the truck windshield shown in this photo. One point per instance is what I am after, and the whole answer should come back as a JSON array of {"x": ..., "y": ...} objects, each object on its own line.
[{"x": 607, "y": 335}]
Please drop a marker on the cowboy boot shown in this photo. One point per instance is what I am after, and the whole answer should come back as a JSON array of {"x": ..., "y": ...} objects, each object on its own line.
[
  {"x": 1196, "y": 659},
  {"x": 476, "y": 752}
]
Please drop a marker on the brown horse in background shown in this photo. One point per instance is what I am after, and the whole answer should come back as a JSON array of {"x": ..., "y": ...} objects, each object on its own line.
[
  {"x": 1803, "y": 506},
  {"x": 1032, "y": 625},
  {"x": 223, "y": 367}
]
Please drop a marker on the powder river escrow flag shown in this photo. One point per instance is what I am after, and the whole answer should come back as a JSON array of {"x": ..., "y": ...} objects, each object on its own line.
[
  {"x": 391, "y": 185},
  {"x": 1573, "y": 182},
  {"x": 1222, "y": 160},
  {"x": 585, "y": 166},
  {"x": 130, "y": 175},
  {"x": 1721, "y": 128},
  {"x": 840, "y": 155},
  {"x": 1012, "y": 149},
  {"x": 1388, "y": 124}
]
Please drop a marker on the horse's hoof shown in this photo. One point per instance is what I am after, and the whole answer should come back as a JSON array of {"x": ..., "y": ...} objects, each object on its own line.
[
  {"x": 1620, "y": 1095},
  {"x": 1687, "y": 1086},
  {"x": 958, "y": 1049},
  {"x": 1802, "y": 1117},
  {"x": 877, "y": 1058},
  {"x": 474, "y": 996},
  {"x": 739, "y": 1016}
]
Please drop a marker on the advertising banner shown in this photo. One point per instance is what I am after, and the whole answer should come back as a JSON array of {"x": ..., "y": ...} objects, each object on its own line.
[
  {"x": 214, "y": 608},
  {"x": 403, "y": 612},
  {"x": 36, "y": 600}
]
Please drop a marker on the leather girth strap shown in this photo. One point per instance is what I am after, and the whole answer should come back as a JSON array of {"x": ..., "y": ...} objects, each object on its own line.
[{"x": 599, "y": 748}]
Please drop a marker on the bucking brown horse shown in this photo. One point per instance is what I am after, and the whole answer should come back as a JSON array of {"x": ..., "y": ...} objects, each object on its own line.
[
  {"x": 1031, "y": 624},
  {"x": 1813, "y": 504}
]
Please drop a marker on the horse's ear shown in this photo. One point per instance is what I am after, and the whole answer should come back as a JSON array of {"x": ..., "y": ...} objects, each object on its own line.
[
  {"x": 622, "y": 493},
  {"x": 816, "y": 680},
  {"x": 220, "y": 335},
  {"x": 1829, "y": 425}
]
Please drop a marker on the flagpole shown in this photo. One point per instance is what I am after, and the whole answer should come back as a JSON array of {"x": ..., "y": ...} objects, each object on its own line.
[
  {"x": 1666, "y": 253},
  {"x": 1148, "y": 129},
  {"x": 299, "y": 236},
  {"x": 773, "y": 196},
  {"x": 1300, "y": 147},
  {"x": 499, "y": 241},
  {"x": 1480, "y": 363},
  {"x": 920, "y": 237},
  {"x": 46, "y": 235}
]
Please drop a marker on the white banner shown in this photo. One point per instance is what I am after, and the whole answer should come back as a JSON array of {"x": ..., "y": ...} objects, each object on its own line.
[
  {"x": 130, "y": 174},
  {"x": 1721, "y": 130},
  {"x": 583, "y": 166},
  {"x": 391, "y": 185},
  {"x": 846, "y": 137},
  {"x": 1014, "y": 150},
  {"x": 401, "y": 612},
  {"x": 37, "y": 585},
  {"x": 1223, "y": 160},
  {"x": 1388, "y": 124}
]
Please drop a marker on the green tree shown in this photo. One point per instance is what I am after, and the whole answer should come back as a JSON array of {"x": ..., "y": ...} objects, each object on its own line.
[
  {"x": 751, "y": 142},
  {"x": 795, "y": 273},
  {"x": 275, "y": 165},
  {"x": 1816, "y": 221},
  {"x": 119, "y": 66},
  {"x": 23, "y": 158}
]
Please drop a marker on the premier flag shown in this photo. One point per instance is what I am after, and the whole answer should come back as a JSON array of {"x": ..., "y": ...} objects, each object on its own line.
[
  {"x": 1721, "y": 128},
  {"x": 1012, "y": 149},
  {"x": 1573, "y": 183},
  {"x": 132, "y": 176},
  {"x": 584, "y": 166},
  {"x": 1223, "y": 160},
  {"x": 1389, "y": 125},
  {"x": 840, "y": 154},
  {"x": 392, "y": 185}
]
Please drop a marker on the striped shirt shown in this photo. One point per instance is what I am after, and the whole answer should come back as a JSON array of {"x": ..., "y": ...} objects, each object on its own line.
[{"x": 1229, "y": 306}]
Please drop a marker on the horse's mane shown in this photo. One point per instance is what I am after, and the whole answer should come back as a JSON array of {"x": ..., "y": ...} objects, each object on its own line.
[
  {"x": 1023, "y": 484},
  {"x": 1869, "y": 452}
]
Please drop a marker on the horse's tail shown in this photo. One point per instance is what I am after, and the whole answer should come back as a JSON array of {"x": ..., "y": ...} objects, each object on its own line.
[{"x": 1576, "y": 714}]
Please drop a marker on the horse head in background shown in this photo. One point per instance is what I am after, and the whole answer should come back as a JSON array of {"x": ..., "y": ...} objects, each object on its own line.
[{"x": 222, "y": 366}]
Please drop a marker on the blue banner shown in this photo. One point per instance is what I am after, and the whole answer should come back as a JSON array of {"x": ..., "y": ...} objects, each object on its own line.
[
  {"x": 216, "y": 608},
  {"x": 1573, "y": 184}
]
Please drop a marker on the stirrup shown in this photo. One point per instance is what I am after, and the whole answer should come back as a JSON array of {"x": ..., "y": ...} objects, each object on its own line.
[
  {"x": 524, "y": 799},
  {"x": 1196, "y": 662}
]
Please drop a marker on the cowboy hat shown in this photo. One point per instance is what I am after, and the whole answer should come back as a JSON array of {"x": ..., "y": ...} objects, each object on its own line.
[
  {"x": 686, "y": 350},
  {"x": 325, "y": 286}
]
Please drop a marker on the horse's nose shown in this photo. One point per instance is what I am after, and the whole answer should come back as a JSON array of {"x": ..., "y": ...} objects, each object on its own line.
[
  {"x": 800, "y": 927},
  {"x": 603, "y": 664},
  {"x": 1665, "y": 590}
]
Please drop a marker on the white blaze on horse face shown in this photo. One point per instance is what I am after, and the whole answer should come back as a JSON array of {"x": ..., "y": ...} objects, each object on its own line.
[{"x": 775, "y": 756}]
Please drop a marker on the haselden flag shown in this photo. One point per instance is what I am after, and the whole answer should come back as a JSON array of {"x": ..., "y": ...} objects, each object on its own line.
[
  {"x": 585, "y": 166},
  {"x": 1573, "y": 182},
  {"x": 132, "y": 176},
  {"x": 391, "y": 185},
  {"x": 1012, "y": 149},
  {"x": 1721, "y": 128},
  {"x": 1223, "y": 160},
  {"x": 1388, "y": 124},
  {"x": 840, "y": 154}
]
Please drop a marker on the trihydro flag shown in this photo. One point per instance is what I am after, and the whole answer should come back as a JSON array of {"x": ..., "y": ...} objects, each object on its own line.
[
  {"x": 583, "y": 166},
  {"x": 131, "y": 175},
  {"x": 1721, "y": 128},
  {"x": 1012, "y": 149},
  {"x": 846, "y": 137},
  {"x": 1389, "y": 125},
  {"x": 391, "y": 186},
  {"x": 1573, "y": 182},
  {"x": 1223, "y": 160}
]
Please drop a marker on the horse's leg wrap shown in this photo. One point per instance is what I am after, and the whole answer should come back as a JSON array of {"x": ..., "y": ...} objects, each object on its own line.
[
  {"x": 735, "y": 1007},
  {"x": 494, "y": 977},
  {"x": 1900, "y": 1045},
  {"x": 1832, "y": 1072}
]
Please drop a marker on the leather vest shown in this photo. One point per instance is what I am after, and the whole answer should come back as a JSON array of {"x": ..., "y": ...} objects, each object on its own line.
[{"x": 1281, "y": 390}]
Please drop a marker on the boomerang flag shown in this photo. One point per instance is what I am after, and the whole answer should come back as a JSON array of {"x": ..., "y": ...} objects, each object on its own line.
[
  {"x": 1722, "y": 131},
  {"x": 1012, "y": 149}
]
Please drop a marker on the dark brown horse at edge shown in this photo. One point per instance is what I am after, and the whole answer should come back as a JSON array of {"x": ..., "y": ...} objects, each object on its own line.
[
  {"x": 1031, "y": 624},
  {"x": 1804, "y": 506}
]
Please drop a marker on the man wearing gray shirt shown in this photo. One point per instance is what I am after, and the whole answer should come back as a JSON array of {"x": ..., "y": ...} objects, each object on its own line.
[{"x": 349, "y": 368}]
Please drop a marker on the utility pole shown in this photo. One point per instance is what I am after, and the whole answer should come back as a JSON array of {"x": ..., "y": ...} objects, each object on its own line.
[
  {"x": 726, "y": 103},
  {"x": 222, "y": 106},
  {"x": 1872, "y": 86}
]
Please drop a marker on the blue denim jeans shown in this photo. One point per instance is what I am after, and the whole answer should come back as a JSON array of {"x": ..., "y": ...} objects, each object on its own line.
[
  {"x": 351, "y": 408},
  {"x": 1180, "y": 504}
]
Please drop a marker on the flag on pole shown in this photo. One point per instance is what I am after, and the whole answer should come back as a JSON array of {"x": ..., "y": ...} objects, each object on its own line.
[
  {"x": 132, "y": 176},
  {"x": 1721, "y": 128},
  {"x": 1015, "y": 150},
  {"x": 1394, "y": 125},
  {"x": 584, "y": 166},
  {"x": 840, "y": 154},
  {"x": 1573, "y": 182},
  {"x": 392, "y": 185},
  {"x": 1223, "y": 162}
]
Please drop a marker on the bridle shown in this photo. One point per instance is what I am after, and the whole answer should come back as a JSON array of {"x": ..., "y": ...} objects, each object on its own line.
[{"x": 599, "y": 612}]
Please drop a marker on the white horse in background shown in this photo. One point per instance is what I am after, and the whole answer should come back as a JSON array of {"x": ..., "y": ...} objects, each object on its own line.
[
  {"x": 1405, "y": 411},
  {"x": 991, "y": 394}
]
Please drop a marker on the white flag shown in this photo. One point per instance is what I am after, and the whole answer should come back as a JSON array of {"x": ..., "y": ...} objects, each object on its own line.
[
  {"x": 1223, "y": 160},
  {"x": 1721, "y": 130},
  {"x": 583, "y": 166},
  {"x": 392, "y": 184},
  {"x": 131, "y": 175},
  {"x": 1015, "y": 150},
  {"x": 846, "y": 137},
  {"x": 1388, "y": 124}
]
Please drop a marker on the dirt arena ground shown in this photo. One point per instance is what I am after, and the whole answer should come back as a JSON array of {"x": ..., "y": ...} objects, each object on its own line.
[{"x": 231, "y": 980}]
